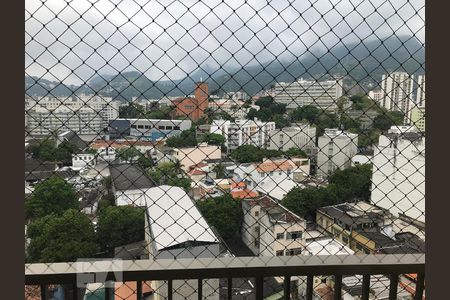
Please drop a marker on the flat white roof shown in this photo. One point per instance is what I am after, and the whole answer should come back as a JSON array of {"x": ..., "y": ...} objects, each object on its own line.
[
  {"x": 174, "y": 218},
  {"x": 328, "y": 246}
]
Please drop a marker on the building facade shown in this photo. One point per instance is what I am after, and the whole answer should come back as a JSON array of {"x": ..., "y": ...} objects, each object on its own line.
[
  {"x": 398, "y": 178},
  {"x": 322, "y": 94},
  {"x": 418, "y": 118},
  {"x": 84, "y": 115},
  {"x": 147, "y": 129},
  {"x": 243, "y": 132},
  {"x": 397, "y": 89},
  {"x": 302, "y": 136},
  {"x": 270, "y": 229},
  {"x": 193, "y": 108},
  {"x": 335, "y": 151}
]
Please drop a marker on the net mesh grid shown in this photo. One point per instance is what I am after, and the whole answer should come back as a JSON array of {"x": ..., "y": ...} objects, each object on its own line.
[{"x": 163, "y": 130}]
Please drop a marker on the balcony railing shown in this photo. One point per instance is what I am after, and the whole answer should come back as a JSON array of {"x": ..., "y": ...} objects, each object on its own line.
[{"x": 230, "y": 268}]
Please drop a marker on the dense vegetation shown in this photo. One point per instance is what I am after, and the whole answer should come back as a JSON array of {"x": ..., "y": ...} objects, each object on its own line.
[
  {"x": 118, "y": 226},
  {"x": 344, "y": 186},
  {"x": 250, "y": 153},
  {"x": 223, "y": 213},
  {"x": 170, "y": 173},
  {"x": 47, "y": 150},
  {"x": 187, "y": 138}
]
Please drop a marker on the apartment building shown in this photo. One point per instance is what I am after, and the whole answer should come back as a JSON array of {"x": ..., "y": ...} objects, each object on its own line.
[
  {"x": 192, "y": 156},
  {"x": 420, "y": 96},
  {"x": 335, "y": 151},
  {"x": 270, "y": 229},
  {"x": 148, "y": 129},
  {"x": 398, "y": 178},
  {"x": 84, "y": 115},
  {"x": 397, "y": 89},
  {"x": 322, "y": 94},
  {"x": 243, "y": 132},
  {"x": 418, "y": 118},
  {"x": 301, "y": 136}
]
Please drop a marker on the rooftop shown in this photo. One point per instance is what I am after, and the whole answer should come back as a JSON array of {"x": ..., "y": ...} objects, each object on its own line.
[
  {"x": 173, "y": 217},
  {"x": 276, "y": 211},
  {"x": 355, "y": 213},
  {"x": 129, "y": 176}
]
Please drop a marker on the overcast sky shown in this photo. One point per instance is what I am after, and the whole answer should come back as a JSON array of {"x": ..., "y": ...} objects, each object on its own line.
[{"x": 170, "y": 39}]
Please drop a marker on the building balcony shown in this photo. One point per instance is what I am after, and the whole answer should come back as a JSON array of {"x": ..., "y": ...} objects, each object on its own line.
[{"x": 235, "y": 277}]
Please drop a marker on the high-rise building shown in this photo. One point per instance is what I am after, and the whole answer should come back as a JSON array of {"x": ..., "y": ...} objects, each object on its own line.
[
  {"x": 301, "y": 136},
  {"x": 322, "y": 94},
  {"x": 398, "y": 173},
  {"x": 243, "y": 132},
  {"x": 84, "y": 114},
  {"x": 397, "y": 89},
  {"x": 335, "y": 151},
  {"x": 420, "y": 97}
]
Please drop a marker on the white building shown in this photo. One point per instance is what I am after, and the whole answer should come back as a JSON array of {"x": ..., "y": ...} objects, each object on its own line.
[
  {"x": 302, "y": 136},
  {"x": 259, "y": 174},
  {"x": 376, "y": 95},
  {"x": 322, "y": 94},
  {"x": 238, "y": 96},
  {"x": 397, "y": 89},
  {"x": 175, "y": 228},
  {"x": 420, "y": 97},
  {"x": 85, "y": 115},
  {"x": 270, "y": 229},
  {"x": 398, "y": 178},
  {"x": 335, "y": 151},
  {"x": 243, "y": 132},
  {"x": 83, "y": 160}
]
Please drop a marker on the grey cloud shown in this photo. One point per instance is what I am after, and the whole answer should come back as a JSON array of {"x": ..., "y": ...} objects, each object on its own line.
[{"x": 169, "y": 39}]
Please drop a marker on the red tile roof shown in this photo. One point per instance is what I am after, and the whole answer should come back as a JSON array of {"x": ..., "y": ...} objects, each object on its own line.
[
  {"x": 272, "y": 165},
  {"x": 244, "y": 194}
]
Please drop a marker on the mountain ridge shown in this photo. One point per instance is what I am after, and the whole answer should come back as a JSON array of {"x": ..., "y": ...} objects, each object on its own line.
[{"x": 362, "y": 63}]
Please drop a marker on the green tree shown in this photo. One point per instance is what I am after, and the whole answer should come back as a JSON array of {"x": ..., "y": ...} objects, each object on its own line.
[
  {"x": 214, "y": 139},
  {"x": 344, "y": 186},
  {"x": 43, "y": 150},
  {"x": 53, "y": 196},
  {"x": 170, "y": 173},
  {"x": 295, "y": 152},
  {"x": 307, "y": 112},
  {"x": 64, "y": 152},
  {"x": 131, "y": 111},
  {"x": 187, "y": 138},
  {"x": 385, "y": 120},
  {"x": 61, "y": 238},
  {"x": 281, "y": 121},
  {"x": 223, "y": 213},
  {"x": 219, "y": 169},
  {"x": 247, "y": 154},
  {"x": 356, "y": 181},
  {"x": 119, "y": 226}
]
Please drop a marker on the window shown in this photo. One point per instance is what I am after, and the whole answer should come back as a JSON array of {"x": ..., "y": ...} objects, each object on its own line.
[
  {"x": 256, "y": 213},
  {"x": 293, "y": 252},
  {"x": 280, "y": 236},
  {"x": 293, "y": 235},
  {"x": 279, "y": 253},
  {"x": 140, "y": 126},
  {"x": 176, "y": 127},
  {"x": 168, "y": 127},
  {"x": 162, "y": 127}
]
